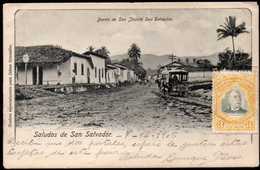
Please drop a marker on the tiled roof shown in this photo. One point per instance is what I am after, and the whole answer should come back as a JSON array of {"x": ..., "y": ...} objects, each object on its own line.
[
  {"x": 95, "y": 54},
  {"x": 46, "y": 54},
  {"x": 111, "y": 66},
  {"x": 121, "y": 66}
]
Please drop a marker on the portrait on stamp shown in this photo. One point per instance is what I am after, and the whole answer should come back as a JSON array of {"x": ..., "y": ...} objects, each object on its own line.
[
  {"x": 234, "y": 102},
  {"x": 234, "y": 107}
]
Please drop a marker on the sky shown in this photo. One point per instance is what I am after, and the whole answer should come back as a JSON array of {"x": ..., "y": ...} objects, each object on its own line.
[{"x": 188, "y": 32}]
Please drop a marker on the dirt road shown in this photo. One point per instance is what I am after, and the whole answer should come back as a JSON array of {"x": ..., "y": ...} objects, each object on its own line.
[{"x": 128, "y": 107}]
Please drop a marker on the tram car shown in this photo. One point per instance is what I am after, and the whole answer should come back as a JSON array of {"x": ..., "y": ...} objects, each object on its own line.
[{"x": 174, "y": 82}]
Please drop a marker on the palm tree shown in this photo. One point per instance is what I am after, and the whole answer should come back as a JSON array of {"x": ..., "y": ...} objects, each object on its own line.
[
  {"x": 134, "y": 53},
  {"x": 230, "y": 29}
]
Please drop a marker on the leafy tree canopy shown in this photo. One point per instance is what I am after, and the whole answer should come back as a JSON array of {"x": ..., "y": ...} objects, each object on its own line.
[
  {"x": 243, "y": 60},
  {"x": 104, "y": 52},
  {"x": 230, "y": 28},
  {"x": 134, "y": 53}
]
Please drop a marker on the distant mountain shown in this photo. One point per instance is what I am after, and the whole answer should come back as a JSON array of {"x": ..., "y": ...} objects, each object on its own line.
[
  {"x": 119, "y": 57},
  {"x": 152, "y": 61}
]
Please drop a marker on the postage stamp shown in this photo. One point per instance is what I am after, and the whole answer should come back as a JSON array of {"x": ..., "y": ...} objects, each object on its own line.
[
  {"x": 234, "y": 102},
  {"x": 96, "y": 85}
]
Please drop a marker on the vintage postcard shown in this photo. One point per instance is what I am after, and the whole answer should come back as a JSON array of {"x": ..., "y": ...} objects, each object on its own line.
[{"x": 131, "y": 85}]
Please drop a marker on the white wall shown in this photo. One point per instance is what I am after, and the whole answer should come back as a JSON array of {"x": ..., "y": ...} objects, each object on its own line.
[
  {"x": 80, "y": 78},
  {"x": 131, "y": 75},
  {"x": 50, "y": 72},
  {"x": 122, "y": 74},
  {"x": 111, "y": 76},
  {"x": 125, "y": 75},
  {"x": 20, "y": 75},
  {"x": 99, "y": 64},
  {"x": 200, "y": 75},
  {"x": 65, "y": 77},
  {"x": 117, "y": 75}
]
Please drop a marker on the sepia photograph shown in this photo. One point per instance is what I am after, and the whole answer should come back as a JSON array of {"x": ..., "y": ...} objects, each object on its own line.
[
  {"x": 125, "y": 68},
  {"x": 101, "y": 85}
]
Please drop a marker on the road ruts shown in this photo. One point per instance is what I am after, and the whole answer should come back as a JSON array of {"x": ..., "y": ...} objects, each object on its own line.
[{"x": 132, "y": 107}]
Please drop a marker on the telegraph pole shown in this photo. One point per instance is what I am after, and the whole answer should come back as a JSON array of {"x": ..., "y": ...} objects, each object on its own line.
[
  {"x": 26, "y": 59},
  {"x": 172, "y": 57}
]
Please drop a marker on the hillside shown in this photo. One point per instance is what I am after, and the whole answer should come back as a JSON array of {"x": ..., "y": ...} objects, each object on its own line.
[{"x": 152, "y": 61}]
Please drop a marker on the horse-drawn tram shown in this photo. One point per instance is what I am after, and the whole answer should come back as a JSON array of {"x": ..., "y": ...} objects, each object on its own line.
[
  {"x": 173, "y": 82},
  {"x": 174, "y": 85}
]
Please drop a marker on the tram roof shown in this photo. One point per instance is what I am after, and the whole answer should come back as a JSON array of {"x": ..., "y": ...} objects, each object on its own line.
[{"x": 174, "y": 71}]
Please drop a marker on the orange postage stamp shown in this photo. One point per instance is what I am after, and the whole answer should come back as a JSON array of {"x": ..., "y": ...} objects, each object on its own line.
[{"x": 234, "y": 102}]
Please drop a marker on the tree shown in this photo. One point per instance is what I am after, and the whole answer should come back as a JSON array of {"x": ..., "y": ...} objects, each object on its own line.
[
  {"x": 104, "y": 52},
  {"x": 243, "y": 60},
  {"x": 230, "y": 29},
  {"x": 138, "y": 69},
  {"x": 91, "y": 48},
  {"x": 205, "y": 64},
  {"x": 224, "y": 59},
  {"x": 140, "y": 72},
  {"x": 134, "y": 53}
]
